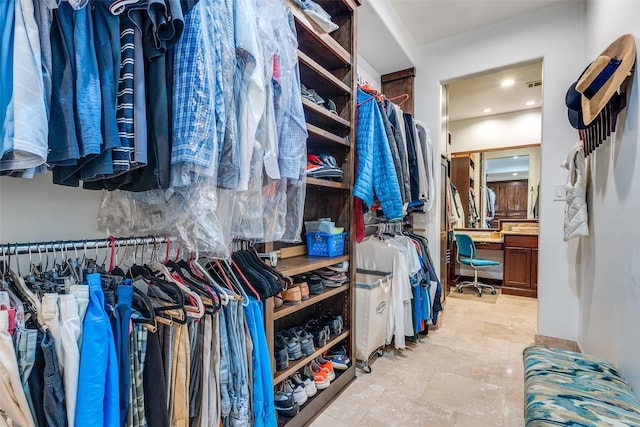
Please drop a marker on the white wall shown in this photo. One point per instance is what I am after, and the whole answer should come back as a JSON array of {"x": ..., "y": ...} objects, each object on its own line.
[
  {"x": 36, "y": 210},
  {"x": 555, "y": 35},
  {"x": 609, "y": 286},
  {"x": 368, "y": 73},
  {"x": 496, "y": 131}
]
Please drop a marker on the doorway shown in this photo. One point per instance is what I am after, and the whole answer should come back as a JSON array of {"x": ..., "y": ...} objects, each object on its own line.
[{"x": 493, "y": 124}]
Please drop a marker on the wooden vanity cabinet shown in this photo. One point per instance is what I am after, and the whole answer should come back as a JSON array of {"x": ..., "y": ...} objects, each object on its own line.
[{"x": 520, "y": 265}]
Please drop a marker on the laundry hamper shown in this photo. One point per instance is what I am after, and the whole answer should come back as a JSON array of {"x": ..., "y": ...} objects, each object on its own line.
[{"x": 373, "y": 293}]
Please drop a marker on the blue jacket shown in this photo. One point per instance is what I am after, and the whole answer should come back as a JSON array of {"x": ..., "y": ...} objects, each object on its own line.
[
  {"x": 98, "y": 384},
  {"x": 375, "y": 173}
]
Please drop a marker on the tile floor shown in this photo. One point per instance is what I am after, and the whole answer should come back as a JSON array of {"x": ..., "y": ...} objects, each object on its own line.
[{"x": 467, "y": 373}]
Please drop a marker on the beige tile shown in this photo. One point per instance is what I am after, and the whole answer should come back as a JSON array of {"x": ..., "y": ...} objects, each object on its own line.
[
  {"x": 325, "y": 420},
  {"x": 464, "y": 420},
  {"x": 469, "y": 396},
  {"x": 513, "y": 421},
  {"x": 514, "y": 403},
  {"x": 478, "y": 343},
  {"x": 355, "y": 401},
  {"x": 509, "y": 333},
  {"x": 497, "y": 371},
  {"x": 399, "y": 409},
  {"x": 466, "y": 373}
]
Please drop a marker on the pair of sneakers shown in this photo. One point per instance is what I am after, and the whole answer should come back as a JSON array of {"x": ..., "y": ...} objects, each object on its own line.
[
  {"x": 323, "y": 373},
  {"x": 292, "y": 344},
  {"x": 338, "y": 357}
]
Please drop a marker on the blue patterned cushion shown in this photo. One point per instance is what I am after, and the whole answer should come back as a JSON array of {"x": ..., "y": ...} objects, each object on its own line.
[{"x": 573, "y": 389}]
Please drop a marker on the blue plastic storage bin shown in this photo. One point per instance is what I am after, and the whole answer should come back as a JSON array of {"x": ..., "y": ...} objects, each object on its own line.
[{"x": 322, "y": 244}]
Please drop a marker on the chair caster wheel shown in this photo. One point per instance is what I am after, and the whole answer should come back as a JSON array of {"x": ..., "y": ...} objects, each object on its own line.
[
  {"x": 479, "y": 295},
  {"x": 493, "y": 292},
  {"x": 459, "y": 290}
]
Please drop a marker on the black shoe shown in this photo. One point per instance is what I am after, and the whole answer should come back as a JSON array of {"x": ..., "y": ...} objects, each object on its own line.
[
  {"x": 321, "y": 334},
  {"x": 282, "y": 358},
  {"x": 285, "y": 404}
]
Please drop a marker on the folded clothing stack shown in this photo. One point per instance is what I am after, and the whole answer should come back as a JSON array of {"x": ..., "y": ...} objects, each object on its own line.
[{"x": 323, "y": 166}]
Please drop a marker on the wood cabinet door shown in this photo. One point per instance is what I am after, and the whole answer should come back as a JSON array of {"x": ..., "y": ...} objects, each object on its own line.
[
  {"x": 517, "y": 267},
  {"x": 516, "y": 194},
  {"x": 534, "y": 268}
]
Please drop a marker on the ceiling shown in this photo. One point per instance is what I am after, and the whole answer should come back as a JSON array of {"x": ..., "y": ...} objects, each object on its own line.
[
  {"x": 470, "y": 97},
  {"x": 431, "y": 20},
  {"x": 390, "y": 34}
]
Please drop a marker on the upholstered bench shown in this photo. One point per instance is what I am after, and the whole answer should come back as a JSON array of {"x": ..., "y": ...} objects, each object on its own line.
[{"x": 573, "y": 389}]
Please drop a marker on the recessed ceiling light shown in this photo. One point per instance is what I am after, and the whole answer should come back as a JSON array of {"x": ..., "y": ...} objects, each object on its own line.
[
  {"x": 487, "y": 110},
  {"x": 515, "y": 174},
  {"x": 507, "y": 83},
  {"x": 531, "y": 102}
]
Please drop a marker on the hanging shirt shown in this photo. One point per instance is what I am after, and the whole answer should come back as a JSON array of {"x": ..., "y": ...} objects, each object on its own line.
[
  {"x": 194, "y": 131},
  {"x": 26, "y": 119},
  {"x": 249, "y": 84},
  {"x": 7, "y": 19}
]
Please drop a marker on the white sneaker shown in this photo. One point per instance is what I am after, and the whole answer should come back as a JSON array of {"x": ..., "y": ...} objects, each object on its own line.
[
  {"x": 309, "y": 384},
  {"x": 298, "y": 390}
]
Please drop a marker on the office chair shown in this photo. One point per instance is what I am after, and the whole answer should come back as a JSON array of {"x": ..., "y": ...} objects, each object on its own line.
[{"x": 467, "y": 256}]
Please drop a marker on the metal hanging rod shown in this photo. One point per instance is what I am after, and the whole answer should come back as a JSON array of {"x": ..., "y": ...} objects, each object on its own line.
[{"x": 77, "y": 245}]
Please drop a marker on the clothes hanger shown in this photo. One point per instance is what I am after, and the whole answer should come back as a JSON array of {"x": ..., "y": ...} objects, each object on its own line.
[
  {"x": 238, "y": 291},
  {"x": 212, "y": 284},
  {"x": 403, "y": 98},
  {"x": 196, "y": 309},
  {"x": 239, "y": 271}
]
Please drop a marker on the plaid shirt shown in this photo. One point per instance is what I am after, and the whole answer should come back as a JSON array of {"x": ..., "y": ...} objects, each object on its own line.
[{"x": 195, "y": 93}]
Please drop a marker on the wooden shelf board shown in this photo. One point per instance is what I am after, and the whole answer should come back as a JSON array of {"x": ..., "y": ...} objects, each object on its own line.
[
  {"x": 295, "y": 365},
  {"x": 315, "y": 76},
  {"x": 305, "y": 263},
  {"x": 323, "y": 137},
  {"x": 318, "y": 114},
  {"x": 315, "y": 182},
  {"x": 319, "y": 42},
  {"x": 286, "y": 310},
  {"x": 315, "y": 404}
]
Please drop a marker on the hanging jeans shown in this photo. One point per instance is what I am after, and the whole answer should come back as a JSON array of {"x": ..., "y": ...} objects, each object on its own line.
[
  {"x": 122, "y": 315},
  {"x": 25, "y": 341},
  {"x": 13, "y": 403},
  {"x": 98, "y": 384},
  {"x": 53, "y": 400},
  {"x": 238, "y": 370},
  {"x": 264, "y": 412}
]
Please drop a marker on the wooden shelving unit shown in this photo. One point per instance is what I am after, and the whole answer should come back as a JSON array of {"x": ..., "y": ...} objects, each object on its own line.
[
  {"x": 321, "y": 116},
  {"x": 296, "y": 365},
  {"x": 286, "y": 310},
  {"x": 304, "y": 263},
  {"x": 321, "y": 138},
  {"x": 327, "y": 63}
]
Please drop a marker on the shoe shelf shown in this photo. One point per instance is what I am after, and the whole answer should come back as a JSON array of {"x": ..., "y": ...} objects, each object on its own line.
[
  {"x": 286, "y": 310},
  {"x": 321, "y": 138},
  {"x": 296, "y": 365},
  {"x": 311, "y": 38},
  {"x": 314, "y": 405},
  {"x": 317, "y": 114},
  {"x": 327, "y": 63},
  {"x": 303, "y": 264},
  {"x": 316, "y": 182},
  {"x": 315, "y": 76}
]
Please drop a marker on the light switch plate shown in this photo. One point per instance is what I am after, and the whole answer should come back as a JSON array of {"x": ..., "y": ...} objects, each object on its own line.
[{"x": 559, "y": 192}]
